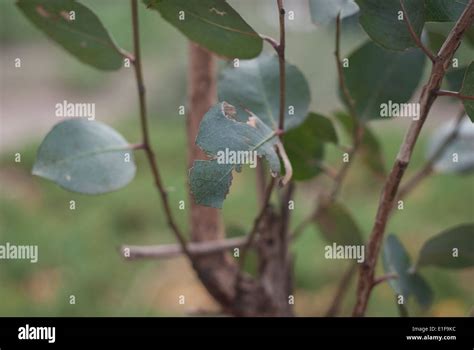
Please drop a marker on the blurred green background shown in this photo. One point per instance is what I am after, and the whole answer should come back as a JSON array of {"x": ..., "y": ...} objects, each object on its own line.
[{"x": 78, "y": 249}]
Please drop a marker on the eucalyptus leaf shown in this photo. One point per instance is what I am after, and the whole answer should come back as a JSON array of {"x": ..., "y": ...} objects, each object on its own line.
[
  {"x": 458, "y": 156},
  {"x": 254, "y": 85},
  {"x": 76, "y": 28},
  {"x": 86, "y": 157},
  {"x": 213, "y": 24},
  {"x": 455, "y": 78},
  {"x": 376, "y": 76},
  {"x": 384, "y": 23},
  {"x": 468, "y": 90},
  {"x": 305, "y": 145},
  {"x": 326, "y": 11},
  {"x": 210, "y": 182},
  {"x": 452, "y": 248},
  {"x": 336, "y": 224},
  {"x": 230, "y": 144},
  {"x": 396, "y": 261},
  {"x": 444, "y": 10}
]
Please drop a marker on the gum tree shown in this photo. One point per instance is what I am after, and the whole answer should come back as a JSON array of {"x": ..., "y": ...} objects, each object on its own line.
[{"x": 259, "y": 105}]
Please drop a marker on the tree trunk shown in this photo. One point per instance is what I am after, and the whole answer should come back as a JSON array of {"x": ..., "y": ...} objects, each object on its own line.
[{"x": 238, "y": 294}]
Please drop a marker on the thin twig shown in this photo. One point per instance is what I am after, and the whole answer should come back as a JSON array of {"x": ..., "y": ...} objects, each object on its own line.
[
  {"x": 328, "y": 170},
  {"x": 358, "y": 129},
  {"x": 256, "y": 224},
  {"x": 384, "y": 278},
  {"x": 145, "y": 133},
  {"x": 341, "y": 291},
  {"x": 454, "y": 94},
  {"x": 413, "y": 34},
  {"x": 428, "y": 167},
  {"x": 301, "y": 227},
  {"x": 390, "y": 189},
  {"x": 175, "y": 250}
]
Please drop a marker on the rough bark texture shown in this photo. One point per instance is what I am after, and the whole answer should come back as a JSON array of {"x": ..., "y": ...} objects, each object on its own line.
[{"x": 238, "y": 294}]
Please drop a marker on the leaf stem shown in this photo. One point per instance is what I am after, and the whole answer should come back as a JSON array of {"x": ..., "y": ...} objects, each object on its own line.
[
  {"x": 384, "y": 278},
  {"x": 454, "y": 94},
  {"x": 145, "y": 134},
  {"x": 413, "y": 34}
]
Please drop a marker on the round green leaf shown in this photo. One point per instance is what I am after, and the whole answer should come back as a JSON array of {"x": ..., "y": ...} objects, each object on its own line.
[
  {"x": 396, "y": 260},
  {"x": 376, "y": 76},
  {"x": 383, "y": 22},
  {"x": 468, "y": 90},
  {"x": 452, "y": 248},
  {"x": 444, "y": 10},
  {"x": 458, "y": 156},
  {"x": 83, "y": 35},
  {"x": 336, "y": 224},
  {"x": 455, "y": 78},
  {"x": 86, "y": 157},
  {"x": 254, "y": 85},
  {"x": 325, "y": 11},
  {"x": 305, "y": 145},
  {"x": 213, "y": 24}
]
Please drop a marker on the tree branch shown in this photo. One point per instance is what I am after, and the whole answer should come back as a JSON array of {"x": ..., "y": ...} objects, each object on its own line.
[
  {"x": 414, "y": 36},
  {"x": 390, "y": 189},
  {"x": 175, "y": 250},
  {"x": 454, "y": 94},
  {"x": 145, "y": 134},
  {"x": 358, "y": 129},
  {"x": 428, "y": 167}
]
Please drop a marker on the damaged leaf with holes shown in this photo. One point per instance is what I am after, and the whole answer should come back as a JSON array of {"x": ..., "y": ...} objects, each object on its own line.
[
  {"x": 255, "y": 85},
  {"x": 219, "y": 134}
]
